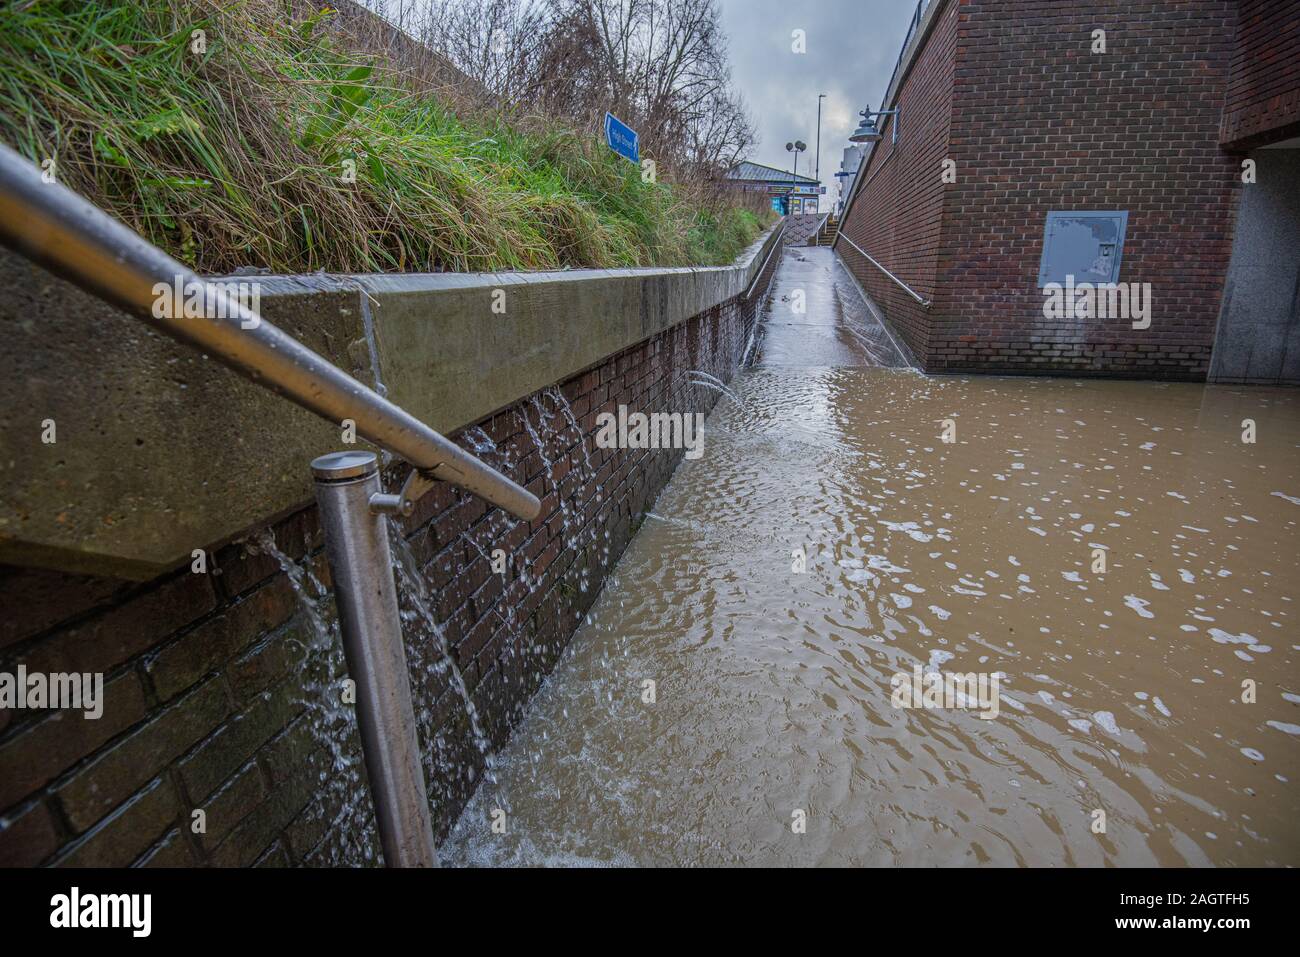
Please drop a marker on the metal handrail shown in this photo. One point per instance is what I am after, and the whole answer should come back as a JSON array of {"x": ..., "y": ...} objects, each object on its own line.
[
  {"x": 905, "y": 287},
  {"x": 817, "y": 233},
  {"x": 826, "y": 222},
  {"x": 55, "y": 227},
  {"x": 52, "y": 225},
  {"x": 777, "y": 243}
]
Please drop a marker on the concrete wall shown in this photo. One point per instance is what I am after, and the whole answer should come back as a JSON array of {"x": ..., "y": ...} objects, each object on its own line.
[
  {"x": 145, "y": 427},
  {"x": 1258, "y": 339},
  {"x": 1035, "y": 121},
  {"x": 221, "y": 696}
]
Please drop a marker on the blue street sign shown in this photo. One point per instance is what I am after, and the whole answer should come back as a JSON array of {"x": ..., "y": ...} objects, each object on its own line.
[{"x": 622, "y": 139}]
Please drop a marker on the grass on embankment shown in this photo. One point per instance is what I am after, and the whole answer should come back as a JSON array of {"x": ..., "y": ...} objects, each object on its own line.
[{"x": 237, "y": 156}]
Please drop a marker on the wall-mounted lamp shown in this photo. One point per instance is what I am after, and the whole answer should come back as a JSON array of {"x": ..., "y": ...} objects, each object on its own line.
[{"x": 867, "y": 132}]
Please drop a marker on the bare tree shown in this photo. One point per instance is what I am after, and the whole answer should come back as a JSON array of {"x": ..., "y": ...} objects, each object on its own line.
[
  {"x": 493, "y": 42},
  {"x": 659, "y": 65}
]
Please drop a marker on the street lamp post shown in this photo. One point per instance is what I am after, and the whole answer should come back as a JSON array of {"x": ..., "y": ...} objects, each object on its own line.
[
  {"x": 797, "y": 147},
  {"x": 817, "y": 173}
]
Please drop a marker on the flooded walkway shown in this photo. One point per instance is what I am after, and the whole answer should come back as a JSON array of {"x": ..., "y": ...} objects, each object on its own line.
[
  {"x": 736, "y": 678},
  {"x": 816, "y": 316}
]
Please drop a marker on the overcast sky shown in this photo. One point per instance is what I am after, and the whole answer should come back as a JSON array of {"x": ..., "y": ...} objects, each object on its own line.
[{"x": 852, "y": 46}]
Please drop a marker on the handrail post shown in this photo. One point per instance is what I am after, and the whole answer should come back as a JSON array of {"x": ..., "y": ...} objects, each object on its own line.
[{"x": 356, "y": 544}]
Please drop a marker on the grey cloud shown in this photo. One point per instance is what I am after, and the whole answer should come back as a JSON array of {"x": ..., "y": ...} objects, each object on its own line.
[{"x": 852, "y": 46}]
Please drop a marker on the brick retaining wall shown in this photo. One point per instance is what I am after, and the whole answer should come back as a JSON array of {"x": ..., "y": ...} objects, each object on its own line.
[
  {"x": 1034, "y": 121},
  {"x": 1263, "y": 99},
  {"x": 220, "y": 698}
]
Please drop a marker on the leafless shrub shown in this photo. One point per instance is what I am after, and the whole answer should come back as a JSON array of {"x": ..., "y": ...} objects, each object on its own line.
[{"x": 659, "y": 65}]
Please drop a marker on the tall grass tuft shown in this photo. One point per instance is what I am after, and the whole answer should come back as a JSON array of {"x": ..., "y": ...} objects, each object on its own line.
[{"x": 240, "y": 155}]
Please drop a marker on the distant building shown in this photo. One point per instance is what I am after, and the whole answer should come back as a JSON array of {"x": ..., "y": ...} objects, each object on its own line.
[
  {"x": 790, "y": 194},
  {"x": 848, "y": 172}
]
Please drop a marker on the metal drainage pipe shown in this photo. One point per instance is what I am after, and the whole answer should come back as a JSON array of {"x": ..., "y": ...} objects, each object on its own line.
[{"x": 356, "y": 544}]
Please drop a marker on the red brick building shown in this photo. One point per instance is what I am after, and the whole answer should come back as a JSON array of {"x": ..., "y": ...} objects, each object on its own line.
[{"x": 1143, "y": 110}]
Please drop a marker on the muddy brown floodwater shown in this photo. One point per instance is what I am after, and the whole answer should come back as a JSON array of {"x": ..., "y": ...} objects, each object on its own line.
[{"x": 1120, "y": 692}]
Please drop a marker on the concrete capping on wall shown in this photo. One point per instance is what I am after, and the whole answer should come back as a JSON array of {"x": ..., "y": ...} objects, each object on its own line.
[{"x": 160, "y": 451}]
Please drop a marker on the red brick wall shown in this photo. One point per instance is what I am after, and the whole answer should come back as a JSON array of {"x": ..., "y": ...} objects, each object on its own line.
[
  {"x": 897, "y": 216},
  {"x": 1263, "y": 98},
  {"x": 218, "y": 699},
  {"x": 1037, "y": 123}
]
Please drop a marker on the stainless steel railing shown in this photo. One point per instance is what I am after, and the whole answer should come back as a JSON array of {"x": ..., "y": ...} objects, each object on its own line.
[
  {"x": 52, "y": 225},
  {"x": 55, "y": 227},
  {"x": 902, "y": 285}
]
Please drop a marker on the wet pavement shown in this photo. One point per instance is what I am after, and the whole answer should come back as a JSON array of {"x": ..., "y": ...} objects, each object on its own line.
[
  {"x": 733, "y": 697},
  {"x": 816, "y": 316}
]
